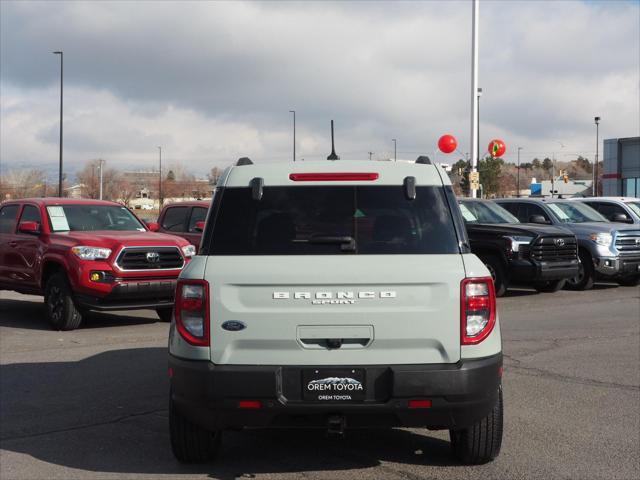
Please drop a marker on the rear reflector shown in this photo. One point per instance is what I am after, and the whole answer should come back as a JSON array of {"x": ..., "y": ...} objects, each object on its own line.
[
  {"x": 250, "y": 404},
  {"x": 419, "y": 403},
  {"x": 333, "y": 177}
]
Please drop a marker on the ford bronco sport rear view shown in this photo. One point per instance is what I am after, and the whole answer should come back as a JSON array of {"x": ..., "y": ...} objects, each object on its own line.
[{"x": 335, "y": 295}]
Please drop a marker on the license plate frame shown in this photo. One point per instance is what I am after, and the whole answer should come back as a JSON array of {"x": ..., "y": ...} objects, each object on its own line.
[{"x": 334, "y": 385}]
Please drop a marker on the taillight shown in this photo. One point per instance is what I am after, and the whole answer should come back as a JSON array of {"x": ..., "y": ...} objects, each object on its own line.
[
  {"x": 192, "y": 311},
  {"x": 477, "y": 309}
]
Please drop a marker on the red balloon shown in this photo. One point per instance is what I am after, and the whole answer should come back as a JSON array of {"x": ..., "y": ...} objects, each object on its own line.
[
  {"x": 497, "y": 148},
  {"x": 447, "y": 143}
]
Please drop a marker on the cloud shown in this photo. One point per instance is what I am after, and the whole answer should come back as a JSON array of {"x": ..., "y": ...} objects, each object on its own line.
[{"x": 212, "y": 81}]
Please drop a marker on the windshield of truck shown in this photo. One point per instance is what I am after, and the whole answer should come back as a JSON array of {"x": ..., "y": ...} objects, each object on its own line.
[
  {"x": 88, "y": 218},
  {"x": 332, "y": 220},
  {"x": 485, "y": 212},
  {"x": 635, "y": 207},
  {"x": 575, "y": 212}
]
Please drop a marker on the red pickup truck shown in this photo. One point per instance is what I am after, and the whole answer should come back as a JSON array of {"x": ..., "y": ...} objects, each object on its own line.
[
  {"x": 87, "y": 255},
  {"x": 185, "y": 219}
]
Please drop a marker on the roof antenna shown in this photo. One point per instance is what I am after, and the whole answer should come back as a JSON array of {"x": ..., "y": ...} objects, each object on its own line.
[{"x": 333, "y": 155}]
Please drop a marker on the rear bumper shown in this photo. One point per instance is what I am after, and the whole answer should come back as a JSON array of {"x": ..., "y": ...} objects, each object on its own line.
[
  {"x": 532, "y": 271},
  {"x": 461, "y": 394},
  {"x": 127, "y": 295}
]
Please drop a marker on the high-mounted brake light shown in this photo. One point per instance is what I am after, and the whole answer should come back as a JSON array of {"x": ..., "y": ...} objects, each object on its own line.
[
  {"x": 333, "y": 177},
  {"x": 477, "y": 309},
  {"x": 192, "y": 311}
]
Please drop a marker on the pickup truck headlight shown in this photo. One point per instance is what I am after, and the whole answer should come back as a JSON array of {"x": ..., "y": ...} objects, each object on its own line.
[
  {"x": 189, "y": 251},
  {"x": 91, "y": 253},
  {"x": 517, "y": 240},
  {"x": 605, "y": 239}
]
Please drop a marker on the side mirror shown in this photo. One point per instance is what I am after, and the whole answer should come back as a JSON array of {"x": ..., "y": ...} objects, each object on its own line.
[
  {"x": 153, "y": 226},
  {"x": 620, "y": 218},
  {"x": 29, "y": 227},
  {"x": 537, "y": 219},
  {"x": 199, "y": 226}
]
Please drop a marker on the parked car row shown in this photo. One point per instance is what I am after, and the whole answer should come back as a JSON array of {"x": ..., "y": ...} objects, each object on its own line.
[
  {"x": 85, "y": 255},
  {"x": 606, "y": 250}
]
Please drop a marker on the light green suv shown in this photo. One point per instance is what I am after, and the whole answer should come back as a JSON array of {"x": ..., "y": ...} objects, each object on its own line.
[{"x": 335, "y": 295}]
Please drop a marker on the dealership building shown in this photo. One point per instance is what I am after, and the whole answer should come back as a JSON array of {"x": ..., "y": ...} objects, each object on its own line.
[{"x": 621, "y": 175}]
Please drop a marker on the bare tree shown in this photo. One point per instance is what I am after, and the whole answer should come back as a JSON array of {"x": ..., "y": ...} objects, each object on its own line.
[
  {"x": 24, "y": 183},
  {"x": 214, "y": 175}
]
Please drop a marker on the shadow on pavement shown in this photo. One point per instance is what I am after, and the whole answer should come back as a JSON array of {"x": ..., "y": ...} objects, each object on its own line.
[
  {"x": 108, "y": 413},
  {"x": 29, "y": 314}
]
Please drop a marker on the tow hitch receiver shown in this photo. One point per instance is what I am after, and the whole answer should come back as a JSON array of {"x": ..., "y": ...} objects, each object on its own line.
[{"x": 336, "y": 425}]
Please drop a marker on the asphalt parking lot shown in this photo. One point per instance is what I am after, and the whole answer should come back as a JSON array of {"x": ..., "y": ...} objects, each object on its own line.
[{"x": 92, "y": 403}]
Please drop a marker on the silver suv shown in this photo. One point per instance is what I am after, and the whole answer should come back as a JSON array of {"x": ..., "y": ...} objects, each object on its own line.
[
  {"x": 335, "y": 295},
  {"x": 615, "y": 209}
]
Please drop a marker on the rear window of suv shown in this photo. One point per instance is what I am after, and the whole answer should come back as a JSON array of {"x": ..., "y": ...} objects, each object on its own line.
[{"x": 333, "y": 220}]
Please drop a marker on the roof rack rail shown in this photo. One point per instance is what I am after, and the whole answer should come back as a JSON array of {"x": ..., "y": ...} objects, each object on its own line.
[
  {"x": 423, "y": 159},
  {"x": 244, "y": 161}
]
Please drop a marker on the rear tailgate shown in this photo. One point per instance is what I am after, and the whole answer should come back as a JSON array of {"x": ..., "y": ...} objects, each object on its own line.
[{"x": 383, "y": 309}]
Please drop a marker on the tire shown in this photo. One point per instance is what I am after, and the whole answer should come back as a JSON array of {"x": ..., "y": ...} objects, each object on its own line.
[
  {"x": 498, "y": 273},
  {"x": 481, "y": 442},
  {"x": 632, "y": 281},
  {"x": 62, "y": 311},
  {"x": 550, "y": 286},
  {"x": 191, "y": 443},
  {"x": 586, "y": 274},
  {"x": 165, "y": 314}
]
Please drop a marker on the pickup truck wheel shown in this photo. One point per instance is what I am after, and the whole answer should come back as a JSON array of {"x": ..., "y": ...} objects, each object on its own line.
[
  {"x": 481, "y": 442},
  {"x": 164, "y": 314},
  {"x": 586, "y": 274},
  {"x": 632, "y": 281},
  {"x": 550, "y": 286},
  {"x": 191, "y": 443},
  {"x": 497, "y": 270},
  {"x": 62, "y": 312}
]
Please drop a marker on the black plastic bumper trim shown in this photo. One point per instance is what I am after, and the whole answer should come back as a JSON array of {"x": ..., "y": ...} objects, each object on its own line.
[{"x": 461, "y": 394}]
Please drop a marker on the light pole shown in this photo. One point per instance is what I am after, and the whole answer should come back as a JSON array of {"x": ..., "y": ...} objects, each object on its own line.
[
  {"x": 395, "y": 150},
  {"x": 518, "y": 187},
  {"x": 475, "y": 142},
  {"x": 370, "y": 155},
  {"x": 594, "y": 187},
  {"x": 101, "y": 164},
  {"x": 294, "y": 134},
  {"x": 60, "y": 166},
  {"x": 160, "y": 180}
]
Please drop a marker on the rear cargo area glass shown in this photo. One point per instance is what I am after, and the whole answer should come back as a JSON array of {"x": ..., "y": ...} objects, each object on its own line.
[{"x": 319, "y": 220}]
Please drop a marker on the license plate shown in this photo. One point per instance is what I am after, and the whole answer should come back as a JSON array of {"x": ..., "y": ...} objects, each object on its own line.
[{"x": 333, "y": 385}]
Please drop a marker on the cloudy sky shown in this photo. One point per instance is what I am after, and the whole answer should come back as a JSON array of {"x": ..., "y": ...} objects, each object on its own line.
[{"x": 213, "y": 81}]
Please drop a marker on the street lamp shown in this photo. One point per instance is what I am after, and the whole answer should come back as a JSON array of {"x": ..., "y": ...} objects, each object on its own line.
[
  {"x": 395, "y": 151},
  {"x": 518, "y": 187},
  {"x": 60, "y": 166},
  {"x": 594, "y": 187},
  {"x": 160, "y": 181},
  {"x": 294, "y": 134}
]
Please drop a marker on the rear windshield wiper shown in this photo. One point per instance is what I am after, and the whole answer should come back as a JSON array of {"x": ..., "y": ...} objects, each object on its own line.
[{"x": 347, "y": 243}]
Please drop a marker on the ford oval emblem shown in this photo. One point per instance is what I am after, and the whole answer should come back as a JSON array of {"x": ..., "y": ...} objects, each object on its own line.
[{"x": 234, "y": 325}]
